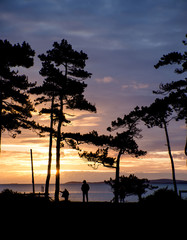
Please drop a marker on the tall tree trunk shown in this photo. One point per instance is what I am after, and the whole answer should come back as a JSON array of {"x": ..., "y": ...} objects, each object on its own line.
[
  {"x": 185, "y": 150},
  {"x": 0, "y": 118},
  {"x": 59, "y": 141},
  {"x": 117, "y": 177},
  {"x": 50, "y": 151},
  {"x": 57, "y": 189},
  {"x": 171, "y": 157}
]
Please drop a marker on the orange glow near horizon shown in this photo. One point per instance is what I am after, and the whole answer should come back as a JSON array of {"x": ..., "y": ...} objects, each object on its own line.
[{"x": 15, "y": 165}]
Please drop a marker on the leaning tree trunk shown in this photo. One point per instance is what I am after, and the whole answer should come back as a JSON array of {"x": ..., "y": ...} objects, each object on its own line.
[
  {"x": 117, "y": 177},
  {"x": 0, "y": 118},
  {"x": 50, "y": 151},
  {"x": 57, "y": 185},
  {"x": 171, "y": 157}
]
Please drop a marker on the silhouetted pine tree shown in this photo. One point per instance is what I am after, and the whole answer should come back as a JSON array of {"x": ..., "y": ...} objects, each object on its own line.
[
  {"x": 15, "y": 106},
  {"x": 176, "y": 91},
  {"x": 123, "y": 143},
  {"x": 63, "y": 69},
  {"x": 161, "y": 112}
]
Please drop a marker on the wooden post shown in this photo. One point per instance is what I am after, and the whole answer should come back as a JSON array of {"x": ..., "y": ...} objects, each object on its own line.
[{"x": 33, "y": 187}]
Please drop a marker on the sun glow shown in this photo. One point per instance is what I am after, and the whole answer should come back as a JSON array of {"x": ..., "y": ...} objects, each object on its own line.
[{"x": 15, "y": 163}]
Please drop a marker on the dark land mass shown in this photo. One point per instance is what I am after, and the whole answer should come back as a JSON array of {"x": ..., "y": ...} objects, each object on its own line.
[
  {"x": 153, "y": 181},
  {"x": 167, "y": 181},
  {"x": 163, "y": 214},
  {"x": 162, "y": 200}
]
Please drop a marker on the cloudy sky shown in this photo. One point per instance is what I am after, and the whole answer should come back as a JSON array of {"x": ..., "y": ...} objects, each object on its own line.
[{"x": 123, "y": 40}]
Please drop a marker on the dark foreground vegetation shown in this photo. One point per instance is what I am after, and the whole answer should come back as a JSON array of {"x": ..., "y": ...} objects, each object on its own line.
[
  {"x": 162, "y": 214},
  {"x": 162, "y": 201}
]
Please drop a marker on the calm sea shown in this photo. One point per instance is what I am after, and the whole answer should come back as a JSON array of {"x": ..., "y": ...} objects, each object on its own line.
[{"x": 98, "y": 191}]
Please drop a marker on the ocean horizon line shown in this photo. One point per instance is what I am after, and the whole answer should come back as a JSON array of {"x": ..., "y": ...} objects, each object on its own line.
[{"x": 154, "y": 181}]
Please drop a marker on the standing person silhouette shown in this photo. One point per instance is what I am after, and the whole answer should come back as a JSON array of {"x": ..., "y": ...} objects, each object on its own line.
[{"x": 85, "y": 188}]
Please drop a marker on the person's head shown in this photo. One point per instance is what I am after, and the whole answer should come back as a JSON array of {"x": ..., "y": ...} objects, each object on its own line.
[{"x": 84, "y": 181}]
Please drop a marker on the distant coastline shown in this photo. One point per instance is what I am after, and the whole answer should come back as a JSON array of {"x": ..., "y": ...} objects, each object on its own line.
[
  {"x": 153, "y": 181},
  {"x": 167, "y": 181}
]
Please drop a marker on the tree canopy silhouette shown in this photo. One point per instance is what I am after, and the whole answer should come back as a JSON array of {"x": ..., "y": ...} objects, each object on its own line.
[
  {"x": 174, "y": 58},
  {"x": 123, "y": 143},
  {"x": 15, "y": 105},
  {"x": 176, "y": 91},
  {"x": 159, "y": 114},
  {"x": 162, "y": 111},
  {"x": 130, "y": 185},
  {"x": 64, "y": 86}
]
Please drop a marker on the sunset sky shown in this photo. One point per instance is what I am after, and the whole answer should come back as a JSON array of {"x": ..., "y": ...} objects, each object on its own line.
[{"x": 123, "y": 40}]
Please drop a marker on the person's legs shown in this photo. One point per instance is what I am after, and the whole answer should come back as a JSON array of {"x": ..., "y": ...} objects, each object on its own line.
[
  {"x": 87, "y": 197},
  {"x": 83, "y": 197}
]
